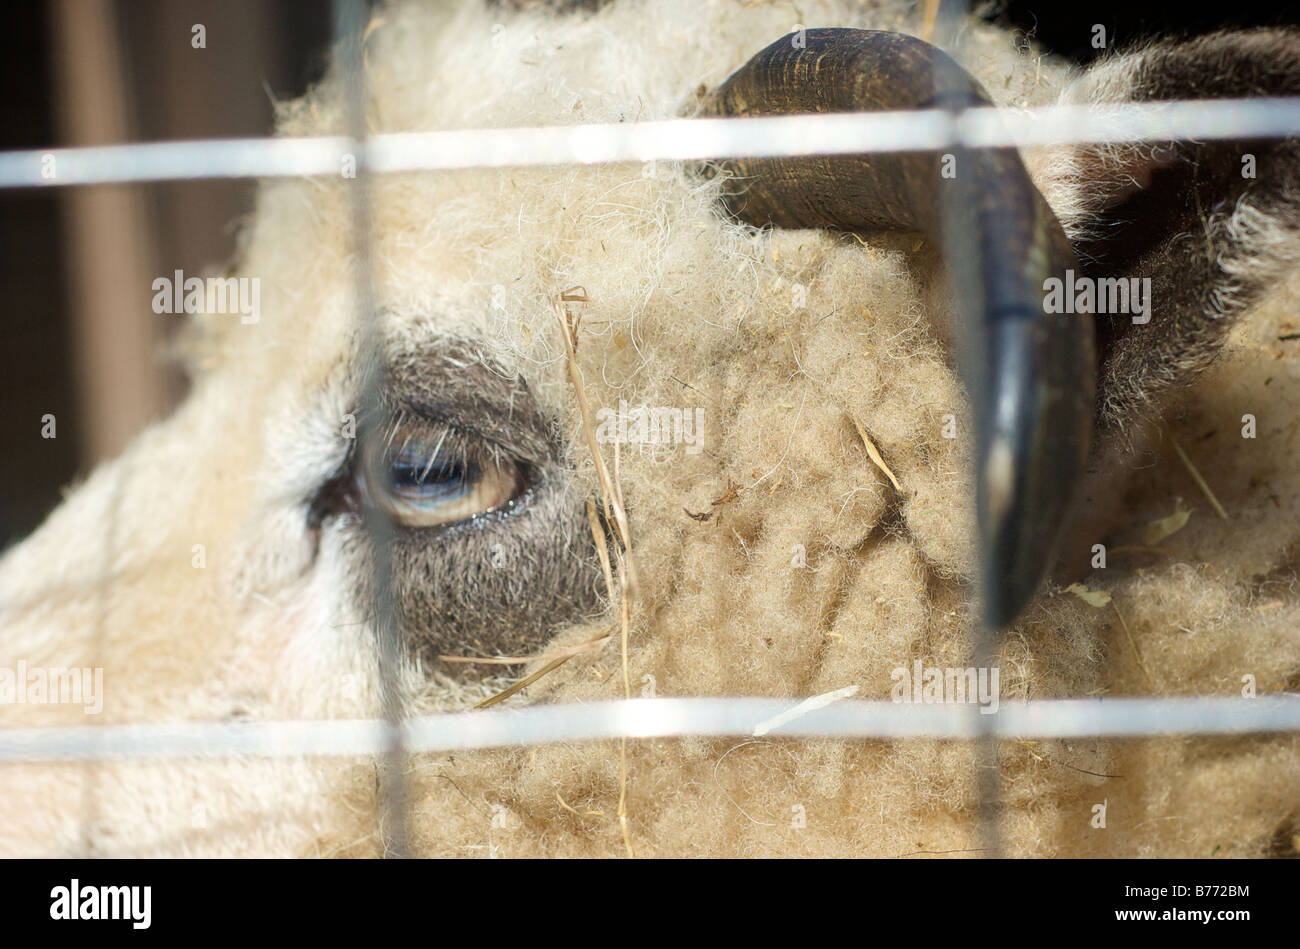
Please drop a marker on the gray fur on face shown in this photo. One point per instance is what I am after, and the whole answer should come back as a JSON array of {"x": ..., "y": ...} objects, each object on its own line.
[
  {"x": 1211, "y": 239},
  {"x": 503, "y": 581}
]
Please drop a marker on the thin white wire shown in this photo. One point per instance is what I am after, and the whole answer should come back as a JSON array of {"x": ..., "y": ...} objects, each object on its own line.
[
  {"x": 667, "y": 718},
  {"x": 669, "y": 140}
]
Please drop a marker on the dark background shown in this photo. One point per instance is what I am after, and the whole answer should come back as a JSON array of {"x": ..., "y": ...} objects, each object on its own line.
[{"x": 257, "y": 51}]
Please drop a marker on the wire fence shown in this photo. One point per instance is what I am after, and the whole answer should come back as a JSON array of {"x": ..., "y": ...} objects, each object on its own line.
[
  {"x": 837, "y": 715},
  {"x": 663, "y": 718},
  {"x": 668, "y": 140}
]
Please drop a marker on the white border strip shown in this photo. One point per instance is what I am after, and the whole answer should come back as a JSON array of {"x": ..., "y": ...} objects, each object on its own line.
[
  {"x": 666, "y": 718},
  {"x": 670, "y": 140}
]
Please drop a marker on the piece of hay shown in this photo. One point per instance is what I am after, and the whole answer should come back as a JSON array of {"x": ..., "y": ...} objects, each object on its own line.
[
  {"x": 874, "y": 455},
  {"x": 803, "y": 708},
  {"x": 1100, "y": 599},
  {"x": 1196, "y": 476},
  {"x": 1158, "y": 530},
  {"x": 1097, "y": 598}
]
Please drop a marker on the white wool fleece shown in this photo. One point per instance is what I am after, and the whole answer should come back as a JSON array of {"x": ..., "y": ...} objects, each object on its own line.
[{"x": 779, "y": 560}]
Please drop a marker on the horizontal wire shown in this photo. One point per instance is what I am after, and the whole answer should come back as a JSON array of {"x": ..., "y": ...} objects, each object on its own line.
[
  {"x": 668, "y": 140},
  {"x": 663, "y": 718}
]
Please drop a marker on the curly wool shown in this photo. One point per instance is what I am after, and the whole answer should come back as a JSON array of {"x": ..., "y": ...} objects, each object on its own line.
[{"x": 778, "y": 561}]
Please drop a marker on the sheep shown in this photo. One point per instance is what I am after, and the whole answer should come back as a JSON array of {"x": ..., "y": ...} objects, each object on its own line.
[{"x": 824, "y": 536}]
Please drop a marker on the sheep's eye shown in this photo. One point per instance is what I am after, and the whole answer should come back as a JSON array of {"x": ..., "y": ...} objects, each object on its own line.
[{"x": 429, "y": 475}]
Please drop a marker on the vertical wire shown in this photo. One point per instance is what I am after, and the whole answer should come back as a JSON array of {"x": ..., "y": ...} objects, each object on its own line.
[
  {"x": 961, "y": 249},
  {"x": 350, "y": 20}
]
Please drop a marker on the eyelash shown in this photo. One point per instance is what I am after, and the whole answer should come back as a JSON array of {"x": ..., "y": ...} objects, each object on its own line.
[{"x": 425, "y": 474}]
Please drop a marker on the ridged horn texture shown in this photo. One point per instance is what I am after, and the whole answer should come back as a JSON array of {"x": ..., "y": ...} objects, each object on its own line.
[{"x": 1031, "y": 376}]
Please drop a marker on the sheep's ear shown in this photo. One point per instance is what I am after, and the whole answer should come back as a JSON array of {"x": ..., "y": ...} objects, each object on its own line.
[{"x": 1210, "y": 225}]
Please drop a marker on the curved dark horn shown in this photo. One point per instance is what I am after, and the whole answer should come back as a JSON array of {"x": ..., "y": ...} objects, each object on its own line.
[{"x": 1031, "y": 376}]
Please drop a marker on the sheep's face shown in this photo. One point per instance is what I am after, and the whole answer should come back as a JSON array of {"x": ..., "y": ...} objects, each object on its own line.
[{"x": 220, "y": 569}]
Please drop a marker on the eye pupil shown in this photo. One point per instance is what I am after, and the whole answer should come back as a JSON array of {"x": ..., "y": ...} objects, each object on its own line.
[
  {"x": 424, "y": 476},
  {"x": 410, "y": 470},
  {"x": 429, "y": 478}
]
